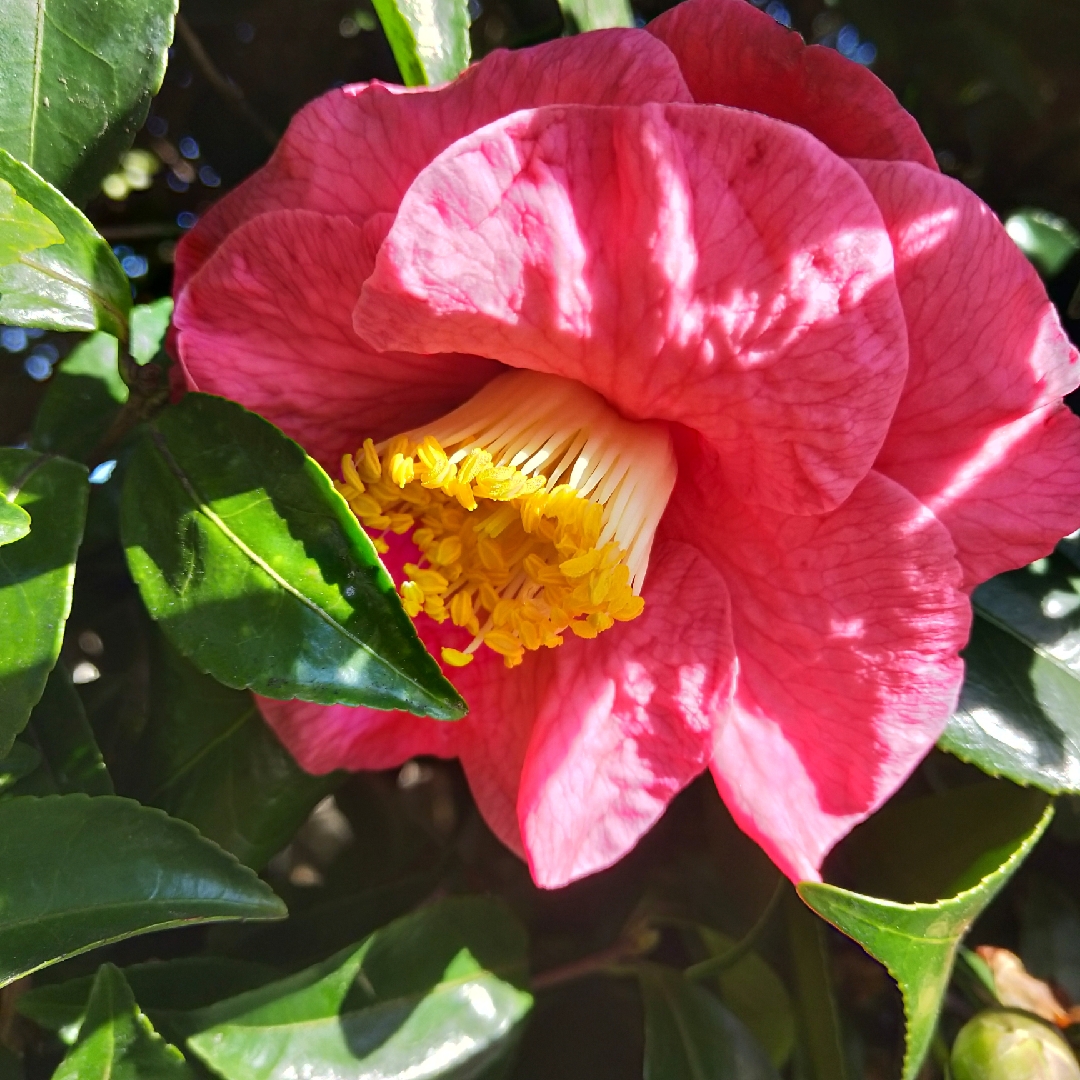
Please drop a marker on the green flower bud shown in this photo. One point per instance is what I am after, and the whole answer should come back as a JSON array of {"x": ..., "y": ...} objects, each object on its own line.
[{"x": 1007, "y": 1045}]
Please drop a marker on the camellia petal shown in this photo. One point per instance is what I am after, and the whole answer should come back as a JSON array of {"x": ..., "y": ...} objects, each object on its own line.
[
  {"x": 733, "y": 54},
  {"x": 355, "y": 151},
  {"x": 980, "y": 435},
  {"x": 700, "y": 265},
  {"x": 252, "y": 328},
  {"x": 847, "y": 628},
  {"x": 627, "y": 721}
]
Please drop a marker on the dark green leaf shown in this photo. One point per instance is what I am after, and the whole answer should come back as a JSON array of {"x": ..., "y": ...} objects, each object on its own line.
[
  {"x": 964, "y": 845},
  {"x": 58, "y": 728},
  {"x": 259, "y": 572},
  {"x": 207, "y": 756},
  {"x": 425, "y": 996},
  {"x": 1050, "y": 934},
  {"x": 22, "y": 228},
  {"x": 582, "y": 15},
  {"x": 82, "y": 398},
  {"x": 756, "y": 995},
  {"x": 1019, "y": 713},
  {"x": 430, "y": 38},
  {"x": 117, "y": 1041},
  {"x": 148, "y": 325},
  {"x": 689, "y": 1035},
  {"x": 14, "y": 521},
  {"x": 21, "y": 760},
  {"x": 165, "y": 989},
  {"x": 80, "y": 872},
  {"x": 76, "y": 80},
  {"x": 73, "y": 285},
  {"x": 36, "y": 577}
]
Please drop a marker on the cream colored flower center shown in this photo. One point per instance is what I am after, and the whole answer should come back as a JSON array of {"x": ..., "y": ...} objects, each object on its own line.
[{"x": 533, "y": 505}]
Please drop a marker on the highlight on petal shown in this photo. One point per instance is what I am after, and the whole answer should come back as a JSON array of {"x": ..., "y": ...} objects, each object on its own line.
[
  {"x": 267, "y": 322},
  {"x": 700, "y": 265},
  {"x": 626, "y": 722},
  {"x": 355, "y": 150},
  {"x": 847, "y": 627},
  {"x": 980, "y": 434},
  {"x": 733, "y": 54}
]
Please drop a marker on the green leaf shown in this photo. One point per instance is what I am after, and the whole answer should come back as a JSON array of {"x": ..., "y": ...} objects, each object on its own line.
[
  {"x": 965, "y": 845},
  {"x": 1019, "y": 712},
  {"x": 76, "y": 80},
  {"x": 74, "y": 285},
  {"x": 583, "y": 15},
  {"x": 21, "y": 760},
  {"x": 149, "y": 322},
  {"x": 427, "y": 995},
  {"x": 259, "y": 572},
  {"x": 756, "y": 995},
  {"x": 81, "y": 872},
  {"x": 14, "y": 521},
  {"x": 207, "y": 756},
  {"x": 117, "y": 1041},
  {"x": 22, "y": 228},
  {"x": 689, "y": 1035},
  {"x": 166, "y": 989},
  {"x": 36, "y": 577},
  {"x": 81, "y": 400},
  {"x": 1046, "y": 239},
  {"x": 58, "y": 728},
  {"x": 429, "y": 38}
]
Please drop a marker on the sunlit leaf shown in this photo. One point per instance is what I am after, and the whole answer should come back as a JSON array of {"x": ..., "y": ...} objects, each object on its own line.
[
  {"x": 81, "y": 871},
  {"x": 14, "y": 521},
  {"x": 258, "y": 571},
  {"x": 582, "y": 15},
  {"x": 22, "y": 228},
  {"x": 429, "y": 38},
  {"x": 962, "y": 846},
  {"x": 73, "y": 284},
  {"x": 1047, "y": 240}
]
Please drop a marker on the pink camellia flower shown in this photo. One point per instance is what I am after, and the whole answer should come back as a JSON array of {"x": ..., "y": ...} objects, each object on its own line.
[{"x": 686, "y": 399}]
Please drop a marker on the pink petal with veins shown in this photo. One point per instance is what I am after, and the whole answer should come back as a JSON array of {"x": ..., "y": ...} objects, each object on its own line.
[
  {"x": 694, "y": 264},
  {"x": 733, "y": 54}
]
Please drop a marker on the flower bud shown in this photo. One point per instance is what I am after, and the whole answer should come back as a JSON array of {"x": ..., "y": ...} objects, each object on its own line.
[{"x": 1006, "y": 1045}]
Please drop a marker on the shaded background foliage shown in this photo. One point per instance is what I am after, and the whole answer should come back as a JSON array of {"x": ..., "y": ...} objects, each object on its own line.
[{"x": 996, "y": 86}]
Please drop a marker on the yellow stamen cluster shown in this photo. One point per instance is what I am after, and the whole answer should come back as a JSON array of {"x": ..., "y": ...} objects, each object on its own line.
[{"x": 511, "y": 559}]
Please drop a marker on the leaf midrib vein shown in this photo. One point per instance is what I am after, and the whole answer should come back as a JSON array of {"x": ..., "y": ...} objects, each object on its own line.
[
  {"x": 39, "y": 32},
  {"x": 58, "y": 275}
]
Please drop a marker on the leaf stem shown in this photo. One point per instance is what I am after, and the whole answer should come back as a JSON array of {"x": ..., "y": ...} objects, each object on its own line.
[
  {"x": 715, "y": 964},
  {"x": 149, "y": 393},
  {"x": 609, "y": 961}
]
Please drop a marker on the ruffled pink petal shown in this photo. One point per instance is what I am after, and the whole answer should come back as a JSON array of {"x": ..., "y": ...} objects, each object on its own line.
[
  {"x": 980, "y": 434},
  {"x": 732, "y": 54},
  {"x": 692, "y": 263},
  {"x": 627, "y": 721},
  {"x": 267, "y": 322},
  {"x": 847, "y": 628},
  {"x": 355, "y": 151}
]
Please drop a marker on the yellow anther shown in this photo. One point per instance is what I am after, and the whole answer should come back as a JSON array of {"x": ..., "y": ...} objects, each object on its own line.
[
  {"x": 401, "y": 523},
  {"x": 447, "y": 551},
  {"x": 381, "y": 546},
  {"x": 412, "y": 598},
  {"x": 583, "y": 629},
  {"x": 581, "y": 564},
  {"x": 402, "y": 470},
  {"x": 365, "y": 506},
  {"x": 456, "y": 659},
  {"x": 368, "y": 462},
  {"x": 461, "y": 609},
  {"x": 348, "y": 470},
  {"x": 503, "y": 642}
]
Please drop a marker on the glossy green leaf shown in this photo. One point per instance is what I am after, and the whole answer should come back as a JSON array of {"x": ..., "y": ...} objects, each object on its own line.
[
  {"x": 117, "y": 1041},
  {"x": 1047, "y": 240},
  {"x": 756, "y": 995},
  {"x": 964, "y": 845},
  {"x": 36, "y": 577},
  {"x": 207, "y": 756},
  {"x": 149, "y": 322},
  {"x": 259, "y": 572},
  {"x": 10, "y": 1065},
  {"x": 83, "y": 397},
  {"x": 22, "y": 228},
  {"x": 22, "y": 759},
  {"x": 80, "y": 872},
  {"x": 14, "y": 521},
  {"x": 76, "y": 80},
  {"x": 429, "y": 38},
  {"x": 167, "y": 990},
  {"x": 432, "y": 994},
  {"x": 1019, "y": 712},
  {"x": 74, "y": 285},
  {"x": 583, "y": 15},
  {"x": 689, "y": 1035},
  {"x": 70, "y": 759}
]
